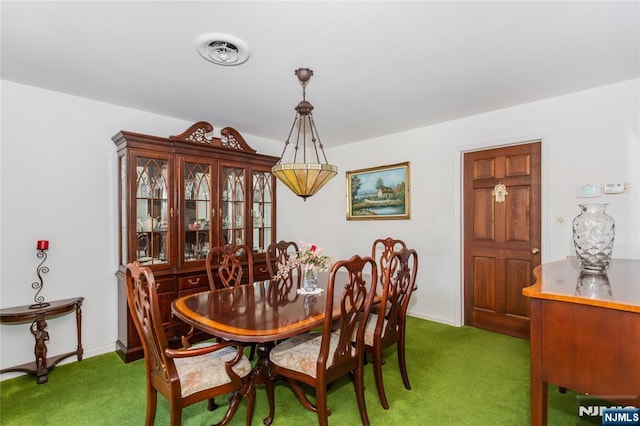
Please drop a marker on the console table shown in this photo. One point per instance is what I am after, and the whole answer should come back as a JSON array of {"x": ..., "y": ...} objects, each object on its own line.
[
  {"x": 24, "y": 314},
  {"x": 585, "y": 333}
]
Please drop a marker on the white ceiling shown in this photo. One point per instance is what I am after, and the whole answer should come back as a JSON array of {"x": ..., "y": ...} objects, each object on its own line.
[{"x": 379, "y": 67}]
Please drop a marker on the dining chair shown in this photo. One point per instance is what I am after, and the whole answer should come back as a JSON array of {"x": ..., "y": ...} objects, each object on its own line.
[
  {"x": 383, "y": 331},
  {"x": 319, "y": 358},
  {"x": 184, "y": 376},
  {"x": 229, "y": 265},
  {"x": 284, "y": 275},
  {"x": 382, "y": 250}
]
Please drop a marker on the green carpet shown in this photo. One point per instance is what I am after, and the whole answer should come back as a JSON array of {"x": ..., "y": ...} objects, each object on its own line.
[{"x": 459, "y": 376}]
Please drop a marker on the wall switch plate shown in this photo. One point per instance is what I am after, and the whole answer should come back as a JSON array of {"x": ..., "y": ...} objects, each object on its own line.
[
  {"x": 587, "y": 190},
  {"x": 614, "y": 188}
]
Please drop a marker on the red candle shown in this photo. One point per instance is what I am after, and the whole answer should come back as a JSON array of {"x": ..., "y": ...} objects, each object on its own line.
[{"x": 43, "y": 245}]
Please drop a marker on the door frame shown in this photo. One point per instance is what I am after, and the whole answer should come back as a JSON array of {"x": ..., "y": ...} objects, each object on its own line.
[{"x": 545, "y": 153}]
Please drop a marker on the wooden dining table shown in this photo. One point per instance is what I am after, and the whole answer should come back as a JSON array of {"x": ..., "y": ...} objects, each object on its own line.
[{"x": 258, "y": 313}]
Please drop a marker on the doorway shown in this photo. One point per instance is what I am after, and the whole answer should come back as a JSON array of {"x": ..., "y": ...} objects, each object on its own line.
[{"x": 502, "y": 235}]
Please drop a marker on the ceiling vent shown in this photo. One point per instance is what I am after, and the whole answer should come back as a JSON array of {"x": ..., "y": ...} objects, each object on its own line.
[{"x": 222, "y": 49}]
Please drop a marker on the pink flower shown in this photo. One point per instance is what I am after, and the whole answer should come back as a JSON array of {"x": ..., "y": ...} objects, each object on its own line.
[{"x": 313, "y": 247}]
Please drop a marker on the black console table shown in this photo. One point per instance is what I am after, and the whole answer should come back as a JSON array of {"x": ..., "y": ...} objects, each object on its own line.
[{"x": 37, "y": 317}]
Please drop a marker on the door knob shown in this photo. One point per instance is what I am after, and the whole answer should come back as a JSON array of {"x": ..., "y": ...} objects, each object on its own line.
[{"x": 535, "y": 250}]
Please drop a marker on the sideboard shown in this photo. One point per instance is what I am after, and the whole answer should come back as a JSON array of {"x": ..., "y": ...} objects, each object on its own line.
[{"x": 585, "y": 333}]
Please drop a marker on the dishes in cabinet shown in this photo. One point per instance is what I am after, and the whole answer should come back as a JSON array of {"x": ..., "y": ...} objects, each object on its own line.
[
  {"x": 148, "y": 224},
  {"x": 201, "y": 224},
  {"x": 144, "y": 224}
]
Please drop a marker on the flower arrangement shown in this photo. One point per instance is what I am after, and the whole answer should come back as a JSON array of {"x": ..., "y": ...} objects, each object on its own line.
[{"x": 310, "y": 257}]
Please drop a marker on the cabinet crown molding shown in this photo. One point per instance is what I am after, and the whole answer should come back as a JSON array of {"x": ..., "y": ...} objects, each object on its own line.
[{"x": 199, "y": 132}]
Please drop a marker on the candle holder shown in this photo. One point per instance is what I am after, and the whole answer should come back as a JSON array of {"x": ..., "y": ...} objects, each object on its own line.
[{"x": 40, "y": 303}]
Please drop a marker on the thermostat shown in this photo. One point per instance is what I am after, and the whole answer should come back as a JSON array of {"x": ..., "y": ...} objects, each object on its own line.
[
  {"x": 614, "y": 188},
  {"x": 588, "y": 190}
]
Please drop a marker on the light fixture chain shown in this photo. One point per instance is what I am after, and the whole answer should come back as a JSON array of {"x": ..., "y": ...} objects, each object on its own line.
[{"x": 316, "y": 135}]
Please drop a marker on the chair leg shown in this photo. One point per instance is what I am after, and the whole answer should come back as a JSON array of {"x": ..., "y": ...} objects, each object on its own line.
[
  {"x": 252, "y": 353},
  {"x": 359, "y": 385},
  {"x": 152, "y": 399},
  {"x": 211, "y": 404},
  {"x": 321, "y": 404},
  {"x": 176, "y": 414},
  {"x": 377, "y": 372},
  {"x": 402, "y": 362}
]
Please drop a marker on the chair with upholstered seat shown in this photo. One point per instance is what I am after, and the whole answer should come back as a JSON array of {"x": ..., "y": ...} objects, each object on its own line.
[
  {"x": 318, "y": 359},
  {"x": 383, "y": 331},
  {"x": 184, "y": 376},
  {"x": 229, "y": 265}
]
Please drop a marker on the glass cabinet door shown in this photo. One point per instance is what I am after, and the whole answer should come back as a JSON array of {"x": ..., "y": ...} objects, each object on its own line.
[
  {"x": 197, "y": 208},
  {"x": 233, "y": 205},
  {"x": 261, "y": 211},
  {"x": 151, "y": 211}
]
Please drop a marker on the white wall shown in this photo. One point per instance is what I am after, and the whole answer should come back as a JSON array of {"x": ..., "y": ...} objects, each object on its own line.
[
  {"x": 589, "y": 136},
  {"x": 58, "y": 182}
]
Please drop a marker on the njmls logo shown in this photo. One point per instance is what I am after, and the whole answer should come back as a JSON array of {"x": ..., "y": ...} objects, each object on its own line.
[
  {"x": 592, "y": 406},
  {"x": 598, "y": 410},
  {"x": 621, "y": 416}
]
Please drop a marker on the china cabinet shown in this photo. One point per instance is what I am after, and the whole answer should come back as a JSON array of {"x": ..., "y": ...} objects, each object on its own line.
[{"x": 179, "y": 196}]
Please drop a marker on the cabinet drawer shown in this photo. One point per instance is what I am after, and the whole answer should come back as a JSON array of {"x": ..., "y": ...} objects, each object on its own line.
[
  {"x": 193, "y": 281},
  {"x": 165, "y": 285},
  {"x": 260, "y": 272}
]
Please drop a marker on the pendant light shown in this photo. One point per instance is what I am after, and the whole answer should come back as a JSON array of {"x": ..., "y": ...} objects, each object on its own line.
[{"x": 305, "y": 174}]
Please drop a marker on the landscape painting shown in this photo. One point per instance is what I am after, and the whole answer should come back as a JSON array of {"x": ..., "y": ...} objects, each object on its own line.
[{"x": 379, "y": 193}]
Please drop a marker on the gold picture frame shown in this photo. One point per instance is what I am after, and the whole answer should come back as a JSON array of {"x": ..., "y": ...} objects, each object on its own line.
[{"x": 379, "y": 193}]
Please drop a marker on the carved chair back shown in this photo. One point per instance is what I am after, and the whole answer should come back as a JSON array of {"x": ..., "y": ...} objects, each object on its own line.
[
  {"x": 382, "y": 250},
  {"x": 284, "y": 275},
  {"x": 399, "y": 284},
  {"x": 229, "y": 265}
]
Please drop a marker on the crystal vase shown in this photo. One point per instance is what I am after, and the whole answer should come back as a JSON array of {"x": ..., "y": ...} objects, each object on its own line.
[
  {"x": 309, "y": 278},
  {"x": 593, "y": 235}
]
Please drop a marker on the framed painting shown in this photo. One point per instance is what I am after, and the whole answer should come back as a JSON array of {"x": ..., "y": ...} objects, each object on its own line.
[{"x": 379, "y": 193}]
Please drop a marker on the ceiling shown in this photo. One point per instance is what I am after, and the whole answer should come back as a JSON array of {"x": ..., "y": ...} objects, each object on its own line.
[{"x": 380, "y": 67}]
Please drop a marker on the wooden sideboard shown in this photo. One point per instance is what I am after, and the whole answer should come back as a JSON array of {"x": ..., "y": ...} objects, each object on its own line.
[{"x": 585, "y": 333}]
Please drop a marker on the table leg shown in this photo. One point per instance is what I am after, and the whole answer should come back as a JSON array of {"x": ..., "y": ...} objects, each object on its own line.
[
  {"x": 539, "y": 388},
  {"x": 79, "y": 350},
  {"x": 263, "y": 374}
]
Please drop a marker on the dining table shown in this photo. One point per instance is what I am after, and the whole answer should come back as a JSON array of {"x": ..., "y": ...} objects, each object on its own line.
[{"x": 260, "y": 313}]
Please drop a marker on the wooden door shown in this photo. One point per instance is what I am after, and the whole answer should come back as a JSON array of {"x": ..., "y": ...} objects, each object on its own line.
[{"x": 501, "y": 236}]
